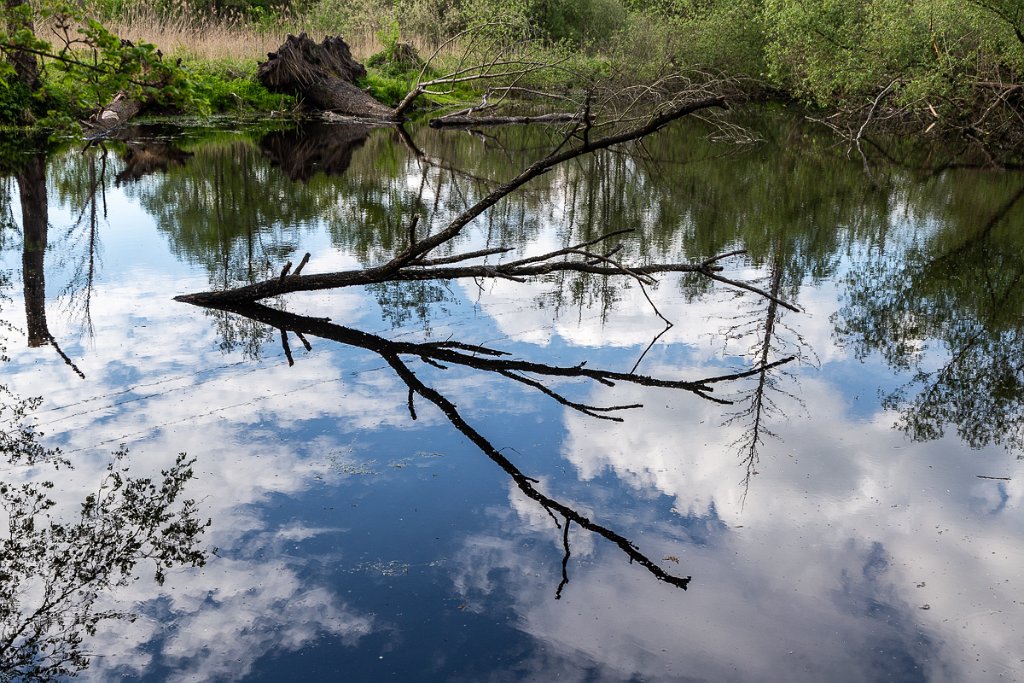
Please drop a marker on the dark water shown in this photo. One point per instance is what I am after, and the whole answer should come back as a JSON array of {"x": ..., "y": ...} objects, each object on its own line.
[{"x": 847, "y": 509}]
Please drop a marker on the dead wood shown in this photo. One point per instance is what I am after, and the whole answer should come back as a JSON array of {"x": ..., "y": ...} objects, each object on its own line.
[
  {"x": 323, "y": 75},
  {"x": 453, "y": 121},
  {"x": 112, "y": 115}
]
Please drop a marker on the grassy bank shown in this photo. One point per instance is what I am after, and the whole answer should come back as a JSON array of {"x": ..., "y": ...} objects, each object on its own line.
[{"x": 926, "y": 65}]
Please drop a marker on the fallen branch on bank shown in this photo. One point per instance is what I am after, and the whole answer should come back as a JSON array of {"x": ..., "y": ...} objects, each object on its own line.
[{"x": 467, "y": 121}]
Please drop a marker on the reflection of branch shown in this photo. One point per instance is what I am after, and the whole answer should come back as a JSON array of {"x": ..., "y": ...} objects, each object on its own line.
[
  {"x": 55, "y": 573},
  {"x": 439, "y": 354},
  {"x": 565, "y": 560},
  {"x": 448, "y": 353},
  {"x": 525, "y": 484}
]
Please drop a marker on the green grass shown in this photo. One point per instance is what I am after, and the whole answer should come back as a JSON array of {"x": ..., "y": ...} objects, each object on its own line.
[{"x": 230, "y": 86}]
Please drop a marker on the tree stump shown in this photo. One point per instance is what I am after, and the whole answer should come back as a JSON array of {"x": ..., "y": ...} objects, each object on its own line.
[{"x": 323, "y": 75}]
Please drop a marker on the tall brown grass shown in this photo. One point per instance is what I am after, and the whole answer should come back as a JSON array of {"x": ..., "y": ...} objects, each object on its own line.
[{"x": 217, "y": 40}]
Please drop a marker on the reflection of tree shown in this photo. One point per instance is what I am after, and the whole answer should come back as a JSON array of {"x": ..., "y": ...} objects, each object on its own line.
[
  {"x": 34, "y": 211},
  {"x": 962, "y": 287},
  {"x": 400, "y": 302},
  {"x": 54, "y": 572},
  {"x": 364, "y": 184},
  {"x": 31, "y": 178},
  {"x": 144, "y": 157},
  {"x": 445, "y": 354},
  {"x": 81, "y": 240},
  {"x": 772, "y": 339}
]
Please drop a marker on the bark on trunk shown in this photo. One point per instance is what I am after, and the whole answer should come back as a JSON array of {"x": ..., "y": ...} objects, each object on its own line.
[
  {"x": 120, "y": 109},
  {"x": 323, "y": 75}
]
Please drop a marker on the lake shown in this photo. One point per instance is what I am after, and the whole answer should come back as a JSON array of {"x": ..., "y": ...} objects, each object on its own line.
[{"x": 569, "y": 476}]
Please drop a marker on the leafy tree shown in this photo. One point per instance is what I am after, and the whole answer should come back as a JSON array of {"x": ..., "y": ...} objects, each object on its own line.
[{"x": 83, "y": 70}]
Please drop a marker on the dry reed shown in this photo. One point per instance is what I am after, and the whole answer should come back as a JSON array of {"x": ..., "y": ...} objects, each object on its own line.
[{"x": 216, "y": 40}]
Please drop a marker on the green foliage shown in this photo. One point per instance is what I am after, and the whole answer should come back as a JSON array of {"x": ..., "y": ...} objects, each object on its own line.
[
  {"x": 388, "y": 35},
  {"x": 15, "y": 97},
  {"x": 577, "y": 20},
  {"x": 927, "y": 55},
  {"x": 84, "y": 68},
  {"x": 386, "y": 88},
  {"x": 88, "y": 66},
  {"x": 723, "y": 37},
  {"x": 222, "y": 87},
  {"x": 832, "y": 51}
]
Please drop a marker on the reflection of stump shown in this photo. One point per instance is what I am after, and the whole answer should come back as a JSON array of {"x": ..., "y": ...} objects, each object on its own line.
[
  {"x": 146, "y": 157},
  {"x": 314, "y": 148},
  {"x": 323, "y": 75}
]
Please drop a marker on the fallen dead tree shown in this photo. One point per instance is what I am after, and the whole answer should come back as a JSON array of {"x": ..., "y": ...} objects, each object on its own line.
[
  {"x": 324, "y": 75},
  {"x": 419, "y": 260}
]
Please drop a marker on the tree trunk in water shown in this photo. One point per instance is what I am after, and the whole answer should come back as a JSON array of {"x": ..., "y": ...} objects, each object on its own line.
[
  {"x": 323, "y": 75},
  {"x": 117, "y": 112}
]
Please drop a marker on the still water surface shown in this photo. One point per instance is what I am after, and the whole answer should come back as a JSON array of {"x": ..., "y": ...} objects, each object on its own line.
[{"x": 847, "y": 509}]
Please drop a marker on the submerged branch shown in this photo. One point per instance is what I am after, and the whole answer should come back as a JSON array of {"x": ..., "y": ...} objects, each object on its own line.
[{"x": 442, "y": 271}]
